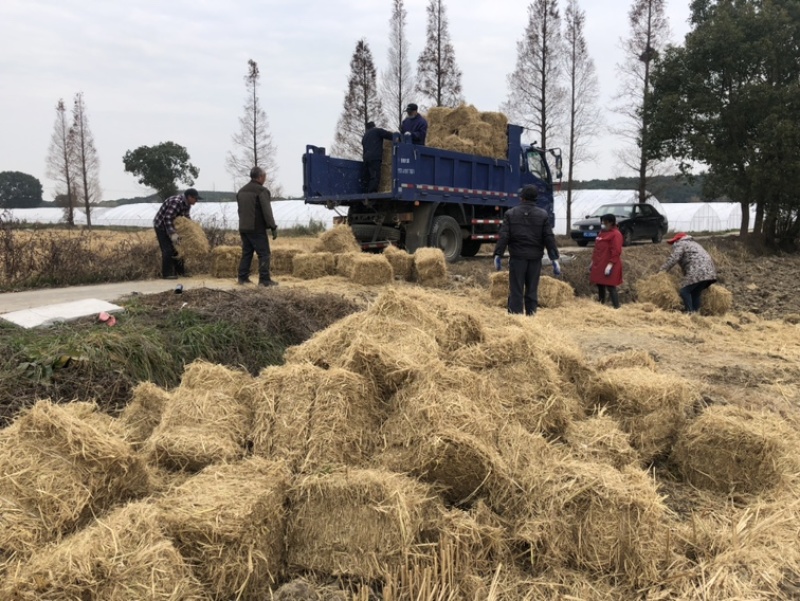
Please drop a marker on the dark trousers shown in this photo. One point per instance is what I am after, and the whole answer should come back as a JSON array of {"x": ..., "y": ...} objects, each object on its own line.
[
  {"x": 259, "y": 244},
  {"x": 170, "y": 263},
  {"x": 613, "y": 293},
  {"x": 523, "y": 285},
  {"x": 373, "y": 175},
  {"x": 691, "y": 295}
]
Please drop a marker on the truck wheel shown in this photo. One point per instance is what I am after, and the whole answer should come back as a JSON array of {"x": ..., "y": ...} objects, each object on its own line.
[
  {"x": 470, "y": 248},
  {"x": 446, "y": 234},
  {"x": 364, "y": 232}
]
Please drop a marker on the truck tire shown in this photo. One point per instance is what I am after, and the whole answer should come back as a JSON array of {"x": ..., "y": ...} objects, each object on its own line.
[
  {"x": 364, "y": 232},
  {"x": 446, "y": 234},
  {"x": 470, "y": 248}
]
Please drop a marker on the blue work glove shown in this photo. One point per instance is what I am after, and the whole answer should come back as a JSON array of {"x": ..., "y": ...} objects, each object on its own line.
[
  {"x": 498, "y": 263},
  {"x": 609, "y": 267},
  {"x": 556, "y": 268}
]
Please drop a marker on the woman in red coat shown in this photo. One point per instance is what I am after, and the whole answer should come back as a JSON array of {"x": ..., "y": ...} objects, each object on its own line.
[{"x": 606, "y": 269}]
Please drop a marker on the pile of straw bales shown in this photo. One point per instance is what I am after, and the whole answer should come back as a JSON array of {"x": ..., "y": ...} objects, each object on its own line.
[
  {"x": 420, "y": 449},
  {"x": 465, "y": 129}
]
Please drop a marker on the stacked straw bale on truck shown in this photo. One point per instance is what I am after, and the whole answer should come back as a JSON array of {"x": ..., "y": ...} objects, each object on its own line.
[{"x": 465, "y": 129}]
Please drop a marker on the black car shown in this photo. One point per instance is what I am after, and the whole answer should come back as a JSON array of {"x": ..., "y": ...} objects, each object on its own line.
[{"x": 635, "y": 221}]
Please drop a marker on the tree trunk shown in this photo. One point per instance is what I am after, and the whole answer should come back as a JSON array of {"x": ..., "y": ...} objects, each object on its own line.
[
  {"x": 758, "y": 224},
  {"x": 744, "y": 227}
]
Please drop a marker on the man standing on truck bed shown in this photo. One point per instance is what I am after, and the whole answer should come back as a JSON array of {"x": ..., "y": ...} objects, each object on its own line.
[
  {"x": 372, "y": 143},
  {"x": 526, "y": 232},
  {"x": 415, "y": 124},
  {"x": 255, "y": 216}
]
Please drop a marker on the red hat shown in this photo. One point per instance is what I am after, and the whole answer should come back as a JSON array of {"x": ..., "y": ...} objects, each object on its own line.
[{"x": 676, "y": 237}]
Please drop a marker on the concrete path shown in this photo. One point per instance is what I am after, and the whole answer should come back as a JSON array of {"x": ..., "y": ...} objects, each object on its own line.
[{"x": 16, "y": 301}]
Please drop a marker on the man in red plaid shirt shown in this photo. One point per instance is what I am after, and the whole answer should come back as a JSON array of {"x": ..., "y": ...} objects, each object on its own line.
[{"x": 179, "y": 205}]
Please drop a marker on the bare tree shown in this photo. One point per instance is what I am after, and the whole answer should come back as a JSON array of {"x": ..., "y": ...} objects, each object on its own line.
[
  {"x": 61, "y": 161},
  {"x": 397, "y": 82},
  {"x": 584, "y": 114},
  {"x": 438, "y": 75},
  {"x": 253, "y": 144},
  {"x": 536, "y": 86},
  {"x": 87, "y": 174},
  {"x": 361, "y": 104},
  {"x": 649, "y": 34}
]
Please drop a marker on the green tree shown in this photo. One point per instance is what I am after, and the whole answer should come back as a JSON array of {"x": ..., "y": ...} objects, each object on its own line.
[
  {"x": 361, "y": 104},
  {"x": 160, "y": 167},
  {"x": 19, "y": 190},
  {"x": 729, "y": 98}
]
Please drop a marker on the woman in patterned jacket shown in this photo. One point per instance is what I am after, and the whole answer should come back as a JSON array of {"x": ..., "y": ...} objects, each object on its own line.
[{"x": 698, "y": 269}]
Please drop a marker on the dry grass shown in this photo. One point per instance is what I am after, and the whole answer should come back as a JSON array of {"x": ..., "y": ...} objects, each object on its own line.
[
  {"x": 716, "y": 300},
  {"x": 661, "y": 290}
]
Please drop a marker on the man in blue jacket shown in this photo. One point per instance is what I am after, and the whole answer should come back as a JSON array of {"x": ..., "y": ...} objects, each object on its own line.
[
  {"x": 526, "y": 232},
  {"x": 415, "y": 124}
]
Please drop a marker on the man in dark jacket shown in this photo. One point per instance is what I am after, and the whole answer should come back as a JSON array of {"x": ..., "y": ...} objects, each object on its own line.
[
  {"x": 173, "y": 207},
  {"x": 415, "y": 124},
  {"x": 372, "y": 143},
  {"x": 526, "y": 232},
  {"x": 255, "y": 217}
]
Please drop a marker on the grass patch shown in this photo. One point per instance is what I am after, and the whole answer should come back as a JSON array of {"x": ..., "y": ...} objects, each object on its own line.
[{"x": 153, "y": 340}]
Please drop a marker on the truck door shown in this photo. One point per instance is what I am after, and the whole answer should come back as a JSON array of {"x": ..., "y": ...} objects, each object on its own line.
[{"x": 536, "y": 171}]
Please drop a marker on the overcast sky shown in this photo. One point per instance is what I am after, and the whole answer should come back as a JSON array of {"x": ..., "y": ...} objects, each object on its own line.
[{"x": 154, "y": 70}]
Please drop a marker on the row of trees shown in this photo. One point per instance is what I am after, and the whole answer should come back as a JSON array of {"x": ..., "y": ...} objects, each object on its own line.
[
  {"x": 72, "y": 160},
  {"x": 729, "y": 98},
  {"x": 553, "y": 88}
]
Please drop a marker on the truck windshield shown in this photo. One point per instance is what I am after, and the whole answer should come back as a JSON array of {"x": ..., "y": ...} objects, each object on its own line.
[{"x": 537, "y": 166}]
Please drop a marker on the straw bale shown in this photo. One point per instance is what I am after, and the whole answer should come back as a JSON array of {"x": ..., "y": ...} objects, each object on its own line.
[
  {"x": 388, "y": 352},
  {"x": 632, "y": 358},
  {"x": 452, "y": 325},
  {"x": 65, "y": 468},
  {"x": 716, "y": 300},
  {"x": 479, "y": 132},
  {"x": 594, "y": 517},
  {"x": 202, "y": 375},
  {"x": 229, "y": 522},
  {"x": 337, "y": 240},
  {"x": 315, "y": 418},
  {"x": 457, "y": 144},
  {"x": 143, "y": 413},
  {"x": 649, "y": 406},
  {"x": 498, "y": 121},
  {"x": 282, "y": 260},
  {"x": 385, "y": 182},
  {"x": 303, "y": 590},
  {"x": 437, "y": 116},
  {"x": 402, "y": 263},
  {"x": 660, "y": 290},
  {"x": 554, "y": 293},
  {"x": 498, "y": 288},
  {"x": 461, "y": 116},
  {"x": 309, "y": 266},
  {"x": 430, "y": 267},
  {"x": 22, "y": 531},
  {"x": 358, "y": 523},
  {"x": 732, "y": 450},
  {"x": 198, "y": 428},
  {"x": 371, "y": 270},
  {"x": 344, "y": 263},
  {"x": 600, "y": 439},
  {"x": 121, "y": 557},
  {"x": 534, "y": 392},
  {"x": 225, "y": 262},
  {"x": 194, "y": 248}
]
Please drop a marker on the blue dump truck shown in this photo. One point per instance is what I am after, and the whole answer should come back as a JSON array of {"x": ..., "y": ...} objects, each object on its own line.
[{"x": 438, "y": 198}]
